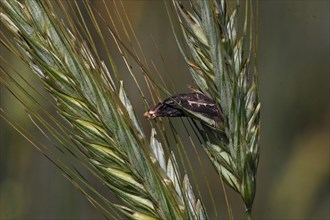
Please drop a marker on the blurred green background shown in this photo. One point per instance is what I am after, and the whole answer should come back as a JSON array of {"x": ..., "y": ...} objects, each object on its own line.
[{"x": 293, "y": 175}]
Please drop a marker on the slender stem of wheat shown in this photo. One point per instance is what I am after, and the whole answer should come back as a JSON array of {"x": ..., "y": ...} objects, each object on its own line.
[{"x": 249, "y": 214}]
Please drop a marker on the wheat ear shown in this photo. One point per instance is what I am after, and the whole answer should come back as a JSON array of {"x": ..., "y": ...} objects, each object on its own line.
[
  {"x": 220, "y": 63},
  {"x": 101, "y": 116}
]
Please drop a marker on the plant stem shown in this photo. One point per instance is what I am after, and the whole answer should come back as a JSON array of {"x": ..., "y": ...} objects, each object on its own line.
[{"x": 249, "y": 214}]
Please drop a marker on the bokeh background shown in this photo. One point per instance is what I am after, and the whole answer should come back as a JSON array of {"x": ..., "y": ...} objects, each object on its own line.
[{"x": 293, "y": 175}]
